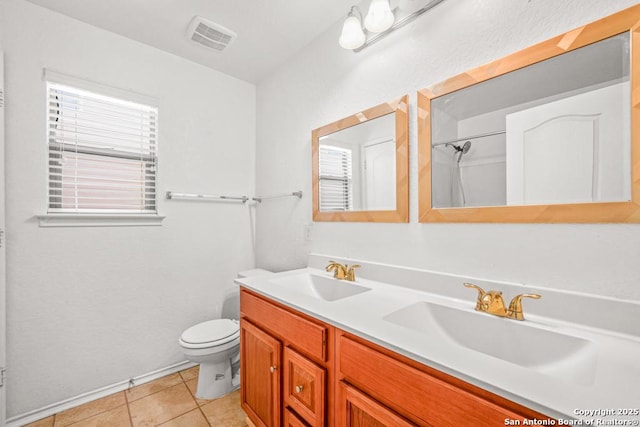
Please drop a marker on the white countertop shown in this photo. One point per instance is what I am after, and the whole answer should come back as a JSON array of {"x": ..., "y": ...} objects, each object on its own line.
[{"x": 614, "y": 383}]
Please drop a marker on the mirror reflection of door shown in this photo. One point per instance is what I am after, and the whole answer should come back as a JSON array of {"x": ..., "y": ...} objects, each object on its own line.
[
  {"x": 380, "y": 172},
  {"x": 569, "y": 151}
]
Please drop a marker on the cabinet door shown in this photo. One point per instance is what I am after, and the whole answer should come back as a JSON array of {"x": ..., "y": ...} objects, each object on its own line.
[
  {"x": 356, "y": 409},
  {"x": 304, "y": 387},
  {"x": 260, "y": 356}
]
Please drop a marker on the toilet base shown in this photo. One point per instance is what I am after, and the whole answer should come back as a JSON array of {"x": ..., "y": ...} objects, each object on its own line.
[{"x": 215, "y": 380}]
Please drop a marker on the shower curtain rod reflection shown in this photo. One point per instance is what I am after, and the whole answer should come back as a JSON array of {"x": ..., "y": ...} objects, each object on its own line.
[{"x": 481, "y": 135}]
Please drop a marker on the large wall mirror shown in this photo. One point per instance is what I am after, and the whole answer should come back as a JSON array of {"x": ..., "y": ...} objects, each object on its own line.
[
  {"x": 360, "y": 166},
  {"x": 548, "y": 134}
]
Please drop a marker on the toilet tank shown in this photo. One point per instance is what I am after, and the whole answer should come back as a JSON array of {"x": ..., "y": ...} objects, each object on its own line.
[{"x": 231, "y": 304}]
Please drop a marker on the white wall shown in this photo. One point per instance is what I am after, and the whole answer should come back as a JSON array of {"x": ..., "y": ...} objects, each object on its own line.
[
  {"x": 324, "y": 83},
  {"x": 88, "y": 307}
]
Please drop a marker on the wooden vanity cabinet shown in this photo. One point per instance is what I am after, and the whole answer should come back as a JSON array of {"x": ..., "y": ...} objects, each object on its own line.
[
  {"x": 298, "y": 371},
  {"x": 410, "y": 393},
  {"x": 285, "y": 364}
]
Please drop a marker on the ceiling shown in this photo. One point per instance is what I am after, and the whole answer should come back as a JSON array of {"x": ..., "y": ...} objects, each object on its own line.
[{"x": 269, "y": 31}]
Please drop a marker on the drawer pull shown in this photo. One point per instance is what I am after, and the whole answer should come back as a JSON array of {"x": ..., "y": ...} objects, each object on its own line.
[
  {"x": 299, "y": 388},
  {"x": 273, "y": 368}
]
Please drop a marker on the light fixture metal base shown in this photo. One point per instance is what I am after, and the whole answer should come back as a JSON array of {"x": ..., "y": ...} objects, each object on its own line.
[{"x": 401, "y": 23}]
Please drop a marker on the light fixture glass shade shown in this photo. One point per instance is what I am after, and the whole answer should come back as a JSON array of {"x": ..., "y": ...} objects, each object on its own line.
[
  {"x": 380, "y": 17},
  {"x": 352, "y": 36}
]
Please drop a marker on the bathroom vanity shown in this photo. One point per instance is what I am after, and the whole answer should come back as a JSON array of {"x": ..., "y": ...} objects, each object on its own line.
[
  {"x": 328, "y": 376},
  {"x": 401, "y": 346}
]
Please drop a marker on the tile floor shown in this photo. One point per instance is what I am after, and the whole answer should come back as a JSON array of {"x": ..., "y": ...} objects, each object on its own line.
[{"x": 168, "y": 402}]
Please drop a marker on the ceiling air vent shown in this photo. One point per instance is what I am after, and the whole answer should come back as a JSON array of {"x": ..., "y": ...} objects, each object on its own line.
[{"x": 210, "y": 34}]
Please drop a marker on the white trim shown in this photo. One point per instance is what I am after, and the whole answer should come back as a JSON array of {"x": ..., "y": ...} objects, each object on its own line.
[
  {"x": 55, "y": 408},
  {"x": 64, "y": 79},
  {"x": 99, "y": 220}
]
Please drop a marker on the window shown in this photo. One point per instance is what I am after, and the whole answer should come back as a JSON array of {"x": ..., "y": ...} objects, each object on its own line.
[
  {"x": 102, "y": 153},
  {"x": 336, "y": 192}
]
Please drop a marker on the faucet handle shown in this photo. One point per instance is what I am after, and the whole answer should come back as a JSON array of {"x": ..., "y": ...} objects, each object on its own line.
[
  {"x": 481, "y": 294},
  {"x": 333, "y": 266},
  {"x": 350, "y": 272},
  {"x": 515, "y": 306}
]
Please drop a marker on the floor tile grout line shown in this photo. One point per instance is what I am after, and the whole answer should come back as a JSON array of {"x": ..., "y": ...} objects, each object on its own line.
[
  {"x": 129, "y": 412},
  {"x": 75, "y": 423},
  {"x": 92, "y": 415},
  {"x": 184, "y": 413},
  {"x": 204, "y": 415},
  {"x": 127, "y": 402},
  {"x": 150, "y": 394},
  {"x": 195, "y": 399},
  {"x": 183, "y": 378},
  {"x": 178, "y": 416}
]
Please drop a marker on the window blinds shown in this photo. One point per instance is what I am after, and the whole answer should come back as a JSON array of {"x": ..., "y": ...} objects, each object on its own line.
[
  {"x": 335, "y": 179},
  {"x": 102, "y": 153}
]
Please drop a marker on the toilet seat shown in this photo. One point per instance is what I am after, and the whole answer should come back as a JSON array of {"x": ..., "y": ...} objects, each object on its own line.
[{"x": 210, "y": 334}]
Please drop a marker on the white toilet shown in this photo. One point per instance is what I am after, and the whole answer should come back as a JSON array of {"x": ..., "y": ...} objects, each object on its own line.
[{"x": 215, "y": 345}]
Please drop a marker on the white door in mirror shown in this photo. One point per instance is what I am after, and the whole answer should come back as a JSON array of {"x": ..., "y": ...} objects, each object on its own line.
[{"x": 555, "y": 151}]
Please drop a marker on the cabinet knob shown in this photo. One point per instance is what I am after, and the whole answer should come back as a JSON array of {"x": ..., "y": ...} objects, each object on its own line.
[
  {"x": 299, "y": 388},
  {"x": 273, "y": 368}
]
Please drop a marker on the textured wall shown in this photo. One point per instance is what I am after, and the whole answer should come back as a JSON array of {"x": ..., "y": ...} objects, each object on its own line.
[
  {"x": 89, "y": 307},
  {"x": 324, "y": 83}
]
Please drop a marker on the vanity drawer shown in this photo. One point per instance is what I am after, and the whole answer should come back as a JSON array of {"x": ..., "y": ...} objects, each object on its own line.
[
  {"x": 304, "y": 334},
  {"x": 304, "y": 387},
  {"x": 292, "y": 420},
  {"x": 414, "y": 393}
]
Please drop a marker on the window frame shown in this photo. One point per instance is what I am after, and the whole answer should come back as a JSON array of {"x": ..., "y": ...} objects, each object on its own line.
[{"x": 100, "y": 217}]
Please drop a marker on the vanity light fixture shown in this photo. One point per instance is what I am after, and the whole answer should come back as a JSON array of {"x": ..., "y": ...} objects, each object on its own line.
[
  {"x": 380, "y": 16},
  {"x": 352, "y": 36},
  {"x": 380, "y": 21}
]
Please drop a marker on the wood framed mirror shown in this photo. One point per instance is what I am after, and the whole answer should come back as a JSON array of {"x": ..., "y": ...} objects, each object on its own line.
[
  {"x": 361, "y": 166},
  {"x": 550, "y": 134}
]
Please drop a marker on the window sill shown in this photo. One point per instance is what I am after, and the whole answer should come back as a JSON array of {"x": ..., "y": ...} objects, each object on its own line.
[{"x": 99, "y": 220}]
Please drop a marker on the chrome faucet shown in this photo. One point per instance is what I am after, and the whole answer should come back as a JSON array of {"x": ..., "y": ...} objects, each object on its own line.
[
  {"x": 492, "y": 302},
  {"x": 342, "y": 272}
]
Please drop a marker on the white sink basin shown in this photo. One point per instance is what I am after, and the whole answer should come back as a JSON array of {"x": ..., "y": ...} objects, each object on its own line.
[
  {"x": 321, "y": 287},
  {"x": 546, "y": 351}
]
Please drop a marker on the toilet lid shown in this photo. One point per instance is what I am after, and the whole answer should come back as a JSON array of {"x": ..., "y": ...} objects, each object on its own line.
[{"x": 220, "y": 330}]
